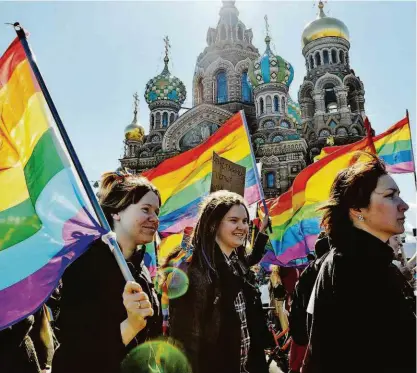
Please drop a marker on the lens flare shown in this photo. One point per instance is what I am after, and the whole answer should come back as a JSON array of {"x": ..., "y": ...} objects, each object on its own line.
[
  {"x": 155, "y": 357},
  {"x": 174, "y": 280}
]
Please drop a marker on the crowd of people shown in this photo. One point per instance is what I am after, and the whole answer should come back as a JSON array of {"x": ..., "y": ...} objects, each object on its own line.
[{"x": 351, "y": 309}]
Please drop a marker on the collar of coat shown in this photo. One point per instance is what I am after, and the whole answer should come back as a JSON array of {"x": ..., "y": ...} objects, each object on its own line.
[{"x": 361, "y": 244}]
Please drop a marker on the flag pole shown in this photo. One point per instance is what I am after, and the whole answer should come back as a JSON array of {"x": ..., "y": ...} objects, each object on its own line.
[
  {"x": 255, "y": 169},
  {"x": 412, "y": 148},
  {"x": 96, "y": 206}
]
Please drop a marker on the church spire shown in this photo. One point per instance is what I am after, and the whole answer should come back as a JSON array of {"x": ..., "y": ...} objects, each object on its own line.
[
  {"x": 267, "y": 37},
  {"x": 166, "y": 58}
]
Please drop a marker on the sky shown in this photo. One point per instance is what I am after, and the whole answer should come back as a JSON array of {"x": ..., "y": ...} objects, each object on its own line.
[{"x": 95, "y": 55}]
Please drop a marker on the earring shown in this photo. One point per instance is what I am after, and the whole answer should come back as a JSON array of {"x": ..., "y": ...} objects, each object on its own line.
[{"x": 360, "y": 218}]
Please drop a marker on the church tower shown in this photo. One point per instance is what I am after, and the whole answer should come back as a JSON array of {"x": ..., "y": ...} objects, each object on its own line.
[
  {"x": 220, "y": 75},
  {"x": 332, "y": 96}
]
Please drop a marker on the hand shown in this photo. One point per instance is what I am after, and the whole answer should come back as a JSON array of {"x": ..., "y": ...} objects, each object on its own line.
[
  {"x": 264, "y": 223},
  {"x": 137, "y": 306}
]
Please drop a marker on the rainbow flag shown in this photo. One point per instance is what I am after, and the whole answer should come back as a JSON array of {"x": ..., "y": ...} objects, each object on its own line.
[
  {"x": 45, "y": 222},
  {"x": 397, "y": 153},
  {"x": 295, "y": 220},
  {"x": 184, "y": 180}
]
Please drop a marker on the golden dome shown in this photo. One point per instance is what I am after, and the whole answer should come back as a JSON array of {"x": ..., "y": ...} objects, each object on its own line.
[
  {"x": 323, "y": 27},
  {"x": 134, "y": 132}
]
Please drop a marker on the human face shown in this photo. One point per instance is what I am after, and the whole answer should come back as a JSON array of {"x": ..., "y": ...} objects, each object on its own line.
[
  {"x": 233, "y": 229},
  {"x": 137, "y": 223},
  {"x": 385, "y": 215}
]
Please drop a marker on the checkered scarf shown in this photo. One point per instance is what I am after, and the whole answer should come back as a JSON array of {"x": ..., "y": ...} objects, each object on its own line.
[{"x": 240, "y": 307}]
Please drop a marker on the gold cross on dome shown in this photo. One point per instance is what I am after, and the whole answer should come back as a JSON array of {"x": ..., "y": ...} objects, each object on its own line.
[
  {"x": 167, "y": 45},
  {"x": 266, "y": 25},
  {"x": 135, "y": 102}
]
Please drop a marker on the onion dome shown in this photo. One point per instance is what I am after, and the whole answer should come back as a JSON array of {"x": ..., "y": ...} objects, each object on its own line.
[
  {"x": 294, "y": 111},
  {"x": 323, "y": 27},
  {"x": 165, "y": 87},
  {"x": 270, "y": 68},
  {"x": 134, "y": 131}
]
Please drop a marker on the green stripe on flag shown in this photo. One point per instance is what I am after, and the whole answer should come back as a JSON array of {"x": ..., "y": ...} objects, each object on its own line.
[
  {"x": 17, "y": 224},
  {"x": 44, "y": 163},
  {"x": 395, "y": 147}
]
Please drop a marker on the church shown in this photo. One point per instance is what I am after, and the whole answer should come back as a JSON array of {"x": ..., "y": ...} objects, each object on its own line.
[{"x": 231, "y": 75}]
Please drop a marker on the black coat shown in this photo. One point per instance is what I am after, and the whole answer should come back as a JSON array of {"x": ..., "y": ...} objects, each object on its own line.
[
  {"x": 92, "y": 309},
  {"x": 364, "y": 311},
  {"x": 205, "y": 321}
]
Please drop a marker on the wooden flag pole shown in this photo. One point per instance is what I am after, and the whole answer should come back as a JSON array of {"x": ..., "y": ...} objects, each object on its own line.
[
  {"x": 412, "y": 148},
  {"x": 77, "y": 165}
]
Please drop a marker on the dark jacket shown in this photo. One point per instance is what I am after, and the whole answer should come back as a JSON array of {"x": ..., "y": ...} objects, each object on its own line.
[
  {"x": 302, "y": 293},
  {"x": 91, "y": 310},
  {"x": 205, "y": 322},
  {"x": 363, "y": 312}
]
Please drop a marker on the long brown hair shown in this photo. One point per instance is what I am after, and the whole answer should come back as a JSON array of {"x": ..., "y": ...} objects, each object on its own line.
[
  {"x": 351, "y": 189},
  {"x": 120, "y": 189},
  {"x": 212, "y": 211}
]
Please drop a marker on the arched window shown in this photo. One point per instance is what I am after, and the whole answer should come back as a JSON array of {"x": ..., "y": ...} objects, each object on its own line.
[
  {"x": 284, "y": 124},
  {"x": 324, "y": 133},
  {"x": 165, "y": 119},
  {"x": 158, "y": 120},
  {"x": 200, "y": 91},
  {"x": 318, "y": 59},
  {"x": 221, "y": 87},
  {"x": 354, "y": 131},
  {"x": 269, "y": 124},
  {"x": 326, "y": 57},
  {"x": 152, "y": 121},
  {"x": 330, "y": 100},
  {"x": 283, "y": 104},
  {"x": 268, "y": 104},
  {"x": 334, "y": 56},
  {"x": 223, "y": 33},
  {"x": 341, "y": 131},
  {"x": 311, "y": 62},
  {"x": 171, "y": 118},
  {"x": 246, "y": 90},
  {"x": 240, "y": 32},
  {"x": 261, "y": 105},
  {"x": 342, "y": 56},
  {"x": 276, "y": 103},
  {"x": 270, "y": 180},
  {"x": 277, "y": 138}
]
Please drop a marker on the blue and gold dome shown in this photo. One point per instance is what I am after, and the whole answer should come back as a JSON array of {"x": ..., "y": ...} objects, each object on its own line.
[
  {"x": 323, "y": 27},
  {"x": 270, "y": 68},
  {"x": 165, "y": 87}
]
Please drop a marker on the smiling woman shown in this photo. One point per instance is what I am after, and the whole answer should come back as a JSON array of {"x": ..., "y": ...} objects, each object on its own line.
[{"x": 102, "y": 318}]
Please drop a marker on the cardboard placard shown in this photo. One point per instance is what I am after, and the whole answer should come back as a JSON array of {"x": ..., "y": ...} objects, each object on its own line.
[{"x": 227, "y": 175}]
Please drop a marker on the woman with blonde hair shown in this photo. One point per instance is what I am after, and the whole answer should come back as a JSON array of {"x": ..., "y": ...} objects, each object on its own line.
[
  {"x": 219, "y": 321},
  {"x": 102, "y": 317},
  {"x": 363, "y": 309}
]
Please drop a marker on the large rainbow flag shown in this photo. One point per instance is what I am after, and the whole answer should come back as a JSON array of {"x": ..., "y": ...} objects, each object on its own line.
[
  {"x": 185, "y": 180},
  {"x": 45, "y": 222},
  {"x": 397, "y": 154},
  {"x": 295, "y": 220}
]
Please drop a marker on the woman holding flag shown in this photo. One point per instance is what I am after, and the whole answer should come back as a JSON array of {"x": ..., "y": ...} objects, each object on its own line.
[
  {"x": 102, "y": 317},
  {"x": 219, "y": 321},
  {"x": 363, "y": 309}
]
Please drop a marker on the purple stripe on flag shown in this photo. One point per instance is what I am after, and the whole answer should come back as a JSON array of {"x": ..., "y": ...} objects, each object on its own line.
[
  {"x": 252, "y": 194},
  {"x": 297, "y": 251},
  {"x": 26, "y": 296},
  {"x": 400, "y": 168}
]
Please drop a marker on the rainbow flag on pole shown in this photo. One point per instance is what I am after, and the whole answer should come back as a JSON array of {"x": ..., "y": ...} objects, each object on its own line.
[
  {"x": 295, "y": 220},
  {"x": 397, "y": 153},
  {"x": 185, "y": 180},
  {"x": 45, "y": 222}
]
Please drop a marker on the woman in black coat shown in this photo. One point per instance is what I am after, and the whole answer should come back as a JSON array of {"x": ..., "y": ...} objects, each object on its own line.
[
  {"x": 101, "y": 317},
  {"x": 362, "y": 307},
  {"x": 219, "y": 321}
]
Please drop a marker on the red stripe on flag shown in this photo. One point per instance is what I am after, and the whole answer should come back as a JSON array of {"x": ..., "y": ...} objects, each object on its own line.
[{"x": 13, "y": 56}]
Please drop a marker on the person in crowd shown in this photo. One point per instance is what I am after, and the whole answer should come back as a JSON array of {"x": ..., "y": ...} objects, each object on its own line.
[
  {"x": 219, "y": 321},
  {"x": 278, "y": 295},
  {"x": 27, "y": 346},
  {"x": 400, "y": 259},
  {"x": 358, "y": 289},
  {"x": 101, "y": 316},
  {"x": 301, "y": 297}
]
